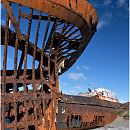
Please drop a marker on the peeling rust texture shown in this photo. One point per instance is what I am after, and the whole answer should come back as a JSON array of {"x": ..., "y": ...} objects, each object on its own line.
[
  {"x": 31, "y": 96},
  {"x": 80, "y": 112}
]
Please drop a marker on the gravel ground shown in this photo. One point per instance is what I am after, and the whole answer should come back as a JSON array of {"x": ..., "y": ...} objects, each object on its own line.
[{"x": 118, "y": 124}]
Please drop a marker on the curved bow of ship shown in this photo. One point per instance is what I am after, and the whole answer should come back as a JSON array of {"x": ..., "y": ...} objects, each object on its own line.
[{"x": 45, "y": 37}]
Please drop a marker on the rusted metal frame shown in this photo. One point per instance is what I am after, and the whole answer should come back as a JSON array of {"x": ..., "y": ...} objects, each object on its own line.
[
  {"x": 12, "y": 18},
  {"x": 60, "y": 23},
  {"x": 71, "y": 44},
  {"x": 3, "y": 116},
  {"x": 69, "y": 54},
  {"x": 34, "y": 54},
  {"x": 56, "y": 76},
  {"x": 39, "y": 102},
  {"x": 101, "y": 104},
  {"x": 5, "y": 54},
  {"x": 21, "y": 125},
  {"x": 53, "y": 104},
  {"x": 68, "y": 30},
  {"x": 46, "y": 18},
  {"x": 25, "y": 68},
  {"x": 72, "y": 124},
  {"x": 59, "y": 28},
  {"x": 77, "y": 122},
  {"x": 66, "y": 51},
  {"x": 15, "y": 114},
  {"x": 64, "y": 126},
  {"x": 4, "y": 69},
  {"x": 33, "y": 70},
  {"x": 66, "y": 43},
  {"x": 24, "y": 15},
  {"x": 29, "y": 81},
  {"x": 80, "y": 125},
  {"x": 15, "y": 73},
  {"x": 23, "y": 97},
  {"x": 16, "y": 54},
  {"x": 35, "y": 113},
  {"x": 20, "y": 64},
  {"x": 61, "y": 126},
  {"x": 69, "y": 118},
  {"x": 72, "y": 33},
  {"x": 74, "y": 38},
  {"x": 42, "y": 52},
  {"x": 27, "y": 16},
  {"x": 51, "y": 34},
  {"x": 49, "y": 56},
  {"x": 41, "y": 68},
  {"x": 50, "y": 115},
  {"x": 45, "y": 116},
  {"x": 63, "y": 30},
  {"x": 26, "y": 115},
  {"x": 56, "y": 59},
  {"x": 53, "y": 110},
  {"x": 30, "y": 47},
  {"x": 54, "y": 29},
  {"x": 66, "y": 112},
  {"x": 26, "y": 50}
]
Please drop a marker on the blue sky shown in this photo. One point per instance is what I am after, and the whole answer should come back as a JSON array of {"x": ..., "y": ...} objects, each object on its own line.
[{"x": 105, "y": 61}]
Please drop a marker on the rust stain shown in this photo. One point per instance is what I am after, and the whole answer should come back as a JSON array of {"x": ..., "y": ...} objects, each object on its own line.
[{"x": 70, "y": 24}]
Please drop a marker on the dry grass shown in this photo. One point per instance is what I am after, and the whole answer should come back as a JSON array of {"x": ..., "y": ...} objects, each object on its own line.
[{"x": 123, "y": 113}]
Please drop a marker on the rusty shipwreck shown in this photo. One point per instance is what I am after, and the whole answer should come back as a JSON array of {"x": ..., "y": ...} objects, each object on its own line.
[{"x": 30, "y": 96}]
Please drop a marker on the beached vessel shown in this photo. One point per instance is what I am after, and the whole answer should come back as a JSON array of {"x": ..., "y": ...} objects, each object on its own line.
[
  {"x": 49, "y": 35},
  {"x": 82, "y": 112}
]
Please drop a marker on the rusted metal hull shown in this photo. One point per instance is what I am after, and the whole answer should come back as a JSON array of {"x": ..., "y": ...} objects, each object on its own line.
[
  {"x": 78, "y": 112},
  {"x": 67, "y": 27},
  {"x": 63, "y": 41}
]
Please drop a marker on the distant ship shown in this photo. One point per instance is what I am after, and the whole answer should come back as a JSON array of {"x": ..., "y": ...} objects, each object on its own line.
[{"x": 103, "y": 94}]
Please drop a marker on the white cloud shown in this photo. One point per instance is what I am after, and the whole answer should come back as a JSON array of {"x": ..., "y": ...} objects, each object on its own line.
[
  {"x": 76, "y": 76},
  {"x": 107, "y": 2},
  {"x": 86, "y": 67},
  {"x": 105, "y": 20},
  {"x": 123, "y": 4},
  {"x": 65, "y": 84},
  {"x": 77, "y": 67},
  {"x": 120, "y": 3},
  {"x": 77, "y": 87},
  {"x": 65, "y": 92},
  {"x": 72, "y": 91},
  {"x": 112, "y": 94},
  {"x": 101, "y": 23}
]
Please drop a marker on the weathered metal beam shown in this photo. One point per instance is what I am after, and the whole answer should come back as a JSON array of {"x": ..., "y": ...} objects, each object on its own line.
[
  {"x": 34, "y": 54},
  {"x": 12, "y": 18},
  {"x": 29, "y": 109}
]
